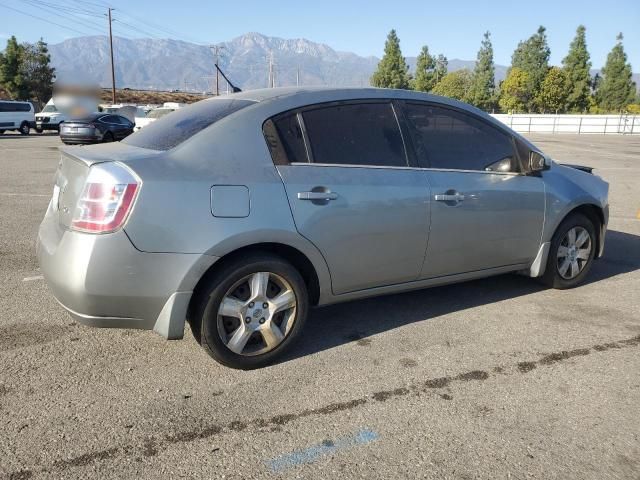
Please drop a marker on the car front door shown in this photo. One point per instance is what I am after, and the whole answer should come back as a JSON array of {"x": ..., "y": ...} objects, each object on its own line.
[
  {"x": 352, "y": 193},
  {"x": 485, "y": 213}
]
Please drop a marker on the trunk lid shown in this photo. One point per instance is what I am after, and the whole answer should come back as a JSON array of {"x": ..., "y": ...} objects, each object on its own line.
[{"x": 73, "y": 169}]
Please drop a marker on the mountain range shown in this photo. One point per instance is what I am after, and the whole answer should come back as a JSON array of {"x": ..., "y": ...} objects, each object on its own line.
[{"x": 165, "y": 64}]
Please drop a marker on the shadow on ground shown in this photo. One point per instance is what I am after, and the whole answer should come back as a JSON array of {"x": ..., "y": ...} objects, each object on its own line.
[{"x": 338, "y": 324}]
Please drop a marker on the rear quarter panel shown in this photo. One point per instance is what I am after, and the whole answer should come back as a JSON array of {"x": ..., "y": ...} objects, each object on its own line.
[{"x": 173, "y": 212}]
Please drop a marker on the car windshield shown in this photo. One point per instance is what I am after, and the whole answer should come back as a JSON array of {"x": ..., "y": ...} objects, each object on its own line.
[
  {"x": 168, "y": 132},
  {"x": 49, "y": 109},
  {"x": 160, "y": 112}
]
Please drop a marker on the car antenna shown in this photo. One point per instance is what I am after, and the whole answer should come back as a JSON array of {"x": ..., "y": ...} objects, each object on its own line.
[{"x": 233, "y": 87}]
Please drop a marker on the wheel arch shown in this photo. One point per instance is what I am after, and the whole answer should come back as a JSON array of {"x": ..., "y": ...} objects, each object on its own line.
[
  {"x": 293, "y": 255},
  {"x": 597, "y": 216}
]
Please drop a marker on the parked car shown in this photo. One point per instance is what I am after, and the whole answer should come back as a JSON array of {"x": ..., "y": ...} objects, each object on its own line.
[
  {"x": 17, "y": 116},
  {"x": 239, "y": 213},
  {"x": 96, "y": 128},
  {"x": 152, "y": 116},
  {"x": 49, "y": 118}
]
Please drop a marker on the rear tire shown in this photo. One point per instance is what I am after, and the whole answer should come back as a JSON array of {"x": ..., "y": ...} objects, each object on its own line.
[
  {"x": 24, "y": 128},
  {"x": 265, "y": 308},
  {"x": 573, "y": 248}
]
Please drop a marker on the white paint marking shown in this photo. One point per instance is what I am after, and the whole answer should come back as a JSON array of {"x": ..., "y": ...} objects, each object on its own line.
[
  {"x": 31, "y": 279},
  {"x": 6, "y": 194}
]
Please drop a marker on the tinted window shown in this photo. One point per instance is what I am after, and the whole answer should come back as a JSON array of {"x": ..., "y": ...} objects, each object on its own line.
[
  {"x": 108, "y": 119},
  {"x": 122, "y": 120},
  {"x": 446, "y": 138},
  {"x": 291, "y": 137},
  {"x": 14, "y": 107},
  {"x": 355, "y": 134},
  {"x": 171, "y": 130}
]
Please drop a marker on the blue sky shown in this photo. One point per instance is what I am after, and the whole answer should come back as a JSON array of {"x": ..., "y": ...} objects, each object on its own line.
[{"x": 454, "y": 28}]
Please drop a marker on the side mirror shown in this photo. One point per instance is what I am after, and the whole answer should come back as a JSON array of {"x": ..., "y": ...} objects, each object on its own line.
[{"x": 538, "y": 162}]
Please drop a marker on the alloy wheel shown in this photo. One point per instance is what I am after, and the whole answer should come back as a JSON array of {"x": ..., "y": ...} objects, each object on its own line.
[
  {"x": 256, "y": 314},
  {"x": 574, "y": 252}
]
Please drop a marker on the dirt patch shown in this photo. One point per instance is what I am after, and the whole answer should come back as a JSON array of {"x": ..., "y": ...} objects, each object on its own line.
[
  {"x": 21, "y": 335},
  {"x": 387, "y": 394},
  {"x": 473, "y": 375},
  {"x": 564, "y": 355},
  {"x": 525, "y": 367},
  {"x": 408, "y": 362}
]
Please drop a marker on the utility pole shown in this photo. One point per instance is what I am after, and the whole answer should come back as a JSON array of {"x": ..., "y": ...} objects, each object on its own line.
[
  {"x": 298, "y": 76},
  {"x": 113, "y": 73},
  {"x": 272, "y": 72},
  {"x": 216, "y": 51}
]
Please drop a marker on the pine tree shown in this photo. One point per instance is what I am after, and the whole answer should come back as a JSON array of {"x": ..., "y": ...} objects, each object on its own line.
[
  {"x": 10, "y": 77},
  {"x": 36, "y": 72},
  {"x": 392, "y": 71},
  {"x": 577, "y": 65},
  {"x": 515, "y": 93},
  {"x": 454, "y": 85},
  {"x": 482, "y": 90},
  {"x": 554, "y": 92},
  {"x": 532, "y": 57},
  {"x": 616, "y": 89},
  {"x": 441, "y": 67},
  {"x": 424, "y": 79}
]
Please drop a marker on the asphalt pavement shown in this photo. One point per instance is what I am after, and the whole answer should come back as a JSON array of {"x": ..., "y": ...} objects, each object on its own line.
[{"x": 497, "y": 378}]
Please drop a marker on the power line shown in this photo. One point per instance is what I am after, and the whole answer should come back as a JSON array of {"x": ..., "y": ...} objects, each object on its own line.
[
  {"x": 67, "y": 16},
  {"x": 45, "y": 20}
]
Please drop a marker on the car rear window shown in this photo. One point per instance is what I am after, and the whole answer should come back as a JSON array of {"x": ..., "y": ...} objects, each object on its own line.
[{"x": 173, "y": 129}]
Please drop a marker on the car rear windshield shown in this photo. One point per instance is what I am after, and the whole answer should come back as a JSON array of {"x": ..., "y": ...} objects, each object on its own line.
[{"x": 171, "y": 130}]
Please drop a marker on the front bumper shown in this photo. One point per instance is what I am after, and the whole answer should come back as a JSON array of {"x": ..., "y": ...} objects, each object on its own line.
[
  {"x": 47, "y": 126},
  {"x": 103, "y": 281}
]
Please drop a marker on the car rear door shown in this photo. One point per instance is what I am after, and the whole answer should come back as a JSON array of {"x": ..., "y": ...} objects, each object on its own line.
[
  {"x": 485, "y": 212},
  {"x": 351, "y": 192}
]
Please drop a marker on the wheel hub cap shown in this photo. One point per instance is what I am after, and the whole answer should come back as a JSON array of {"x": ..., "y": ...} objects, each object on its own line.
[
  {"x": 574, "y": 252},
  {"x": 256, "y": 314}
]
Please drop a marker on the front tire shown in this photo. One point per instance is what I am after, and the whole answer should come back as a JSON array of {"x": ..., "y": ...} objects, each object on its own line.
[
  {"x": 24, "y": 128},
  {"x": 251, "y": 311},
  {"x": 108, "y": 137},
  {"x": 572, "y": 251}
]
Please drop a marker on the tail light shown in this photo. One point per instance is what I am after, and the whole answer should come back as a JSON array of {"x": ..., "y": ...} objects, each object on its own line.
[{"x": 107, "y": 199}]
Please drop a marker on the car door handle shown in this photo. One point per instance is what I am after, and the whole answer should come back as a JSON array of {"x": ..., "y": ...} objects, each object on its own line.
[
  {"x": 446, "y": 197},
  {"x": 317, "y": 195}
]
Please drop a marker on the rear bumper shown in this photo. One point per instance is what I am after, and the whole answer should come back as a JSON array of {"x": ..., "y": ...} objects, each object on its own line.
[
  {"x": 80, "y": 140},
  {"x": 103, "y": 281}
]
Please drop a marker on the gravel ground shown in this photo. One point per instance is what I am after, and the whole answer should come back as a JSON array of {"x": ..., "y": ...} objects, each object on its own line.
[{"x": 498, "y": 378}]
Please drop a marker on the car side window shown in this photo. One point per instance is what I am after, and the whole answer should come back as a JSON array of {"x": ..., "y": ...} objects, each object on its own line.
[
  {"x": 122, "y": 120},
  {"x": 355, "y": 134},
  {"x": 291, "y": 138},
  {"x": 449, "y": 139},
  {"x": 107, "y": 119}
]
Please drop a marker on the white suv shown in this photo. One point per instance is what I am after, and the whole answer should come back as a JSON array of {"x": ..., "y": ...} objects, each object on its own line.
[
  {"x": 16, "y": 116},
  {"x": 50, "y": 118}
]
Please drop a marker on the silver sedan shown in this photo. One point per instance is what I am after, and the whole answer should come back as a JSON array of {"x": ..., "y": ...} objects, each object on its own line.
[{"x": 239, "y": 213}]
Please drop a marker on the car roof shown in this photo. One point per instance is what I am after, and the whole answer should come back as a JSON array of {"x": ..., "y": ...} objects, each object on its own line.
[
  {"x": 311, "y": 95},
  {"x": 93, "y": 116},
  {"x": 295, "y": 97}
]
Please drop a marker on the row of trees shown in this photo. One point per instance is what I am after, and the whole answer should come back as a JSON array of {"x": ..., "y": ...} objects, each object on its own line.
[
  {"x": 531, "y": 84},
  {"x": 25, "y": 71}
]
